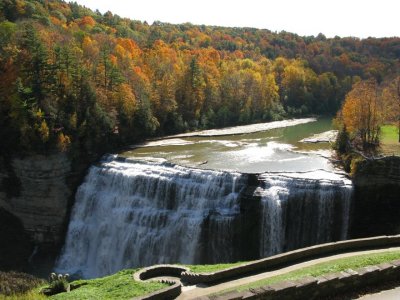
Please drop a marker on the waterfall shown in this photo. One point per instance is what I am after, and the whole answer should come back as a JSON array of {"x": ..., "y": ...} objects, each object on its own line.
[
  {"x": 302, "y": 209},
  {"x": 136, "y": 213},
  {"x": 131, "y": 213}
]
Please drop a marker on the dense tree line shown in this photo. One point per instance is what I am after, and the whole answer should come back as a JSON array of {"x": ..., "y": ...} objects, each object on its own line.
[{"x": 72, "y": 78}]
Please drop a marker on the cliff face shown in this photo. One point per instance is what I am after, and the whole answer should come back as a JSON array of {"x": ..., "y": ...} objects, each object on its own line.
[
  {"x": 34, "y": 190},
  {"x": 15, "y": 245},
  {"x": 376, "y": 204}
]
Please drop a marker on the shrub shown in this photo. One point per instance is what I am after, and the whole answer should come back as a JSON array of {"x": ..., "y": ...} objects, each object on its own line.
[
  {"x": 17, "y": 283},
  {"x": 58, "y": 284},
  {"x": 355, "y": 164}
]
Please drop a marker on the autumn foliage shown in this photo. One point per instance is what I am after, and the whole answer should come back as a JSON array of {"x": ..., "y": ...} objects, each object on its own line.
[
  {"x": 366, "y": 108},
  {"x": 74, "y": 79}
]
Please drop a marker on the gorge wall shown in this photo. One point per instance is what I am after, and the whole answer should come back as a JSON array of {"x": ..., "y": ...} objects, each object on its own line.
[
  {"x": 34, "y": 194},
  {"x": 376, "y": 205}
]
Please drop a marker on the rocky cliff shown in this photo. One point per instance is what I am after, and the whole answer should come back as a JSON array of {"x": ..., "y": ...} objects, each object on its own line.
[
  {"x": 34, "y": 190},
  {"x": 376, "y": 204}
]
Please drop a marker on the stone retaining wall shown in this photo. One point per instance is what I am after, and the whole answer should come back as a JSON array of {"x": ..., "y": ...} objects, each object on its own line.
[
  {"x": 290, "y": 258},
  {"x": 158, "y": 271},
  {"x": 168, "y": 293},
  {"x": 322, "y": 286}
]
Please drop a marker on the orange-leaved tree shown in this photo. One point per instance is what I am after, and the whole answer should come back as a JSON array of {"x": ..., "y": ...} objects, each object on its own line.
[{"x": 363, "y": 114}]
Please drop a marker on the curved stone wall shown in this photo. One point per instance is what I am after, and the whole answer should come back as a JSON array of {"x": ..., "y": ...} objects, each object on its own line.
[
  {"x": 170, "y": 292},
  {"x": 160, "y": 271}
]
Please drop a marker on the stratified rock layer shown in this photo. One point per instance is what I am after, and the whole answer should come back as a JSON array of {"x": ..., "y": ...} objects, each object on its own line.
[{"x": 39, "y": 196}]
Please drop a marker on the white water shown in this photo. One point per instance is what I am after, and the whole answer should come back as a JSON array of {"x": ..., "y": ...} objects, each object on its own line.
[
  {"x": 301, "y": 209},
  {"x": 130, "y": 214}
]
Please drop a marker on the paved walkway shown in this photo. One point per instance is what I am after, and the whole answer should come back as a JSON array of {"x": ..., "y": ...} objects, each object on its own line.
[{"x": 190, "y": 292}]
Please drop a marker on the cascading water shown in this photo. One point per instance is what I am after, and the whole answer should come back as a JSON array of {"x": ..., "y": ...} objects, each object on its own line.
[
  {"x": 302, "y": 209},
  {"x": 130, "y": 213},
  {"x": 135, "y": 213}
]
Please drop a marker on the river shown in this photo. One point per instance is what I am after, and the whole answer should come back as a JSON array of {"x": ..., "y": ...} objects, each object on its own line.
[{"x": 239, "y": 149}]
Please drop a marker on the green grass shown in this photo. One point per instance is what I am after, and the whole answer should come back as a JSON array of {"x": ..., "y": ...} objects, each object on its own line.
[
  {"x": 390, "y": 140},
  {"x": 325, "y": 268},
  {"x": 212, "y": 268},
  {"x": 117, "y": 286},
  {"x": 389, "y": 134}
]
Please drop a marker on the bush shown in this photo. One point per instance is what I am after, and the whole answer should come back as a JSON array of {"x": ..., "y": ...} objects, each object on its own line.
[
  {"x": 355, "y": 163},
  {"x": 17, "y": 283},
  {"x": 58, "y": 284}
]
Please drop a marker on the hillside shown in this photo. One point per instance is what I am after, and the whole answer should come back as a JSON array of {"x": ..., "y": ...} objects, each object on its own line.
[{"x": 75, "y": 79}]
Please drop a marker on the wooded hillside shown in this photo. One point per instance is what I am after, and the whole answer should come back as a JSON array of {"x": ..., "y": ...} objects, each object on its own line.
[{"x": 72, "y": 78}]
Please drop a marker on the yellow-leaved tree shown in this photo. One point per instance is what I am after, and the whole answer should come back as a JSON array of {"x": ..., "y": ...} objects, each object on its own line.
[{"x": 363, "y": 113}]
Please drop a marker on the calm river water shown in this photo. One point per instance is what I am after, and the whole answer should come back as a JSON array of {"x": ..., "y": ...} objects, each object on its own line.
[{"x": 236, "y": 149}]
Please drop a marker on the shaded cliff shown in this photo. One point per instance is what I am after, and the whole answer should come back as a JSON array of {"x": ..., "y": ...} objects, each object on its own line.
[
  {"x": 15, "y": 246},
  {"x": 35, "y": 194},
  {"x": 376, "y": 203},
  {"x": 244, "y": 239}
]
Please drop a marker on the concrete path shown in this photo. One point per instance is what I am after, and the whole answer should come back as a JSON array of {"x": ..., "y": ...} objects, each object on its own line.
[
  {"x": 194, "y": 291},
  {"x": 393, "y": 294}
]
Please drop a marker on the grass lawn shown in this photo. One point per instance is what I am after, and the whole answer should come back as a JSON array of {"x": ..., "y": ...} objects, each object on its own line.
[
  {"x": 117, "y": 286},
  {"x": 325, "y": 268},
  {"x": 390, "y": 140},
  {"x": 212, "y": 268}
]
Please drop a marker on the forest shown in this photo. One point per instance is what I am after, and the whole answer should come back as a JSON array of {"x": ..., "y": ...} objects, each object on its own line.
[{"x": 77, "y": 80}]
